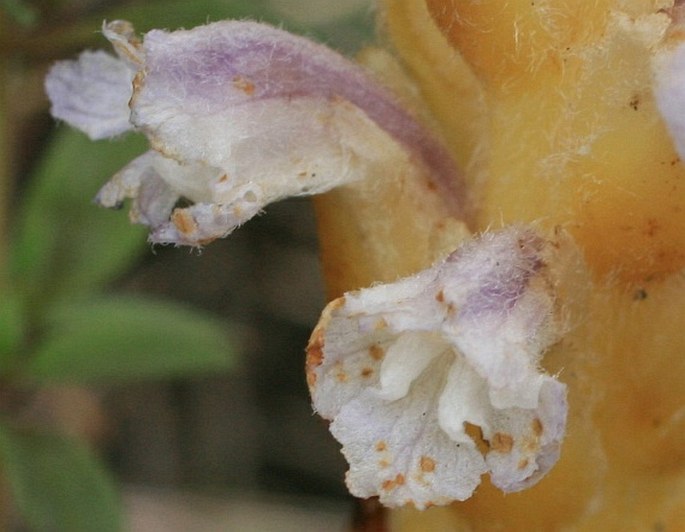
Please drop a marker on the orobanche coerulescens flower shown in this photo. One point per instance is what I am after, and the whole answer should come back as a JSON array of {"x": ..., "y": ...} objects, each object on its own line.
[
  {"x": 561, "y": 124},
  {"x": 240, "y": 114},
  {"x": 402, "y": 369}
]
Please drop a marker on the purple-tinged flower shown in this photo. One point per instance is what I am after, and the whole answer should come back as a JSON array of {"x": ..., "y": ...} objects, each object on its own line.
[
  {"x": 404, "y": 369},
  {"x": 238, "y": 114}
]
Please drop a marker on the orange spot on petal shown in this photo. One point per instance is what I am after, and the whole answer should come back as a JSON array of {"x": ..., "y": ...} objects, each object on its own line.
[
  {"x": 314, "y": 355},
  {"x": 381, "y": 324},
  {"x": 376, "y": 352},
  {"x": 502, "y": 443},
  {"x": 537, "y": 427},
  {"x": 244, "y": 85},
  {"x": 391, "y": 484},
  {"x": 183, "y": 221},
  {"x": 427, "y": 464}
]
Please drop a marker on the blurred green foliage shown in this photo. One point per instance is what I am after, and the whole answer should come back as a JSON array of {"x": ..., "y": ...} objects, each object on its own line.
[
  {"x": 21, "y": 12},
  {"x": 121, "y": 338},
  {"x": 56, "y": 482},
  {"x": 64, "y": 246},
  {"x": 58, "y": 321}
]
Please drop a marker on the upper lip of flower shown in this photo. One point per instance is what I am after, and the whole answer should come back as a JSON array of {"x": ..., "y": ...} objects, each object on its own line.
[{"x": 250, "y": 114}]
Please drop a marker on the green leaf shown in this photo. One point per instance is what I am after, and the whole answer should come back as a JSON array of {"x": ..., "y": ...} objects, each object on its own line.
[
  {"x": 169, "y": 14},
  {"x": 345, "y": 26},
  {"x": 128, "y": 338},
  {"x": 22, "y": 13},
  {"x": 65, "y": 245},
  {"x": 57, "y": 483},
  {"x": 348, "y": 32},
  {"x": 174, "y": 14},
  {"x": 12, "y": 327}
]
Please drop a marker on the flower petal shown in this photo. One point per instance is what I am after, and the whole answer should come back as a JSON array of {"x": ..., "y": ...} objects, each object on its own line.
[
  {"x": 464, "y": 400},
  {"x": 412, "y": 364},
  {"x": 244, "y": 80},
  {"x": 92, "y": 94},
  {"x": 398, "y": 451},
  {"x": 205, "y": 222},
  {"x": 669, "y": 92},
  {"x": 242, "y": 114},
  {"x": 405, "y": 360},
  {"x": 278, "y": 115},
  {"x": 142, "y": 180},
  {"x": 525, "y": 443},
  {"x": 307, "y": 147},
  {"x": 126, "y": 182},
  {"x": 154, "y": 203}
]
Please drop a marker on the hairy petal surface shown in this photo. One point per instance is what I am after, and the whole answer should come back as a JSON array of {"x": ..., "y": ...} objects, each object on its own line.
[
  {"x": 403, "y": 370},
  {"x": 244, "y": 114},
  {"x": 92, "y": 94}
]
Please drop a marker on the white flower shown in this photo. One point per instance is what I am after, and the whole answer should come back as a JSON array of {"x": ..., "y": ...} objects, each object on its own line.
[
  {"x": 430, "y": 382},
  {"x": 238, "y": 114},
  {"x": 403, "y": 370}
]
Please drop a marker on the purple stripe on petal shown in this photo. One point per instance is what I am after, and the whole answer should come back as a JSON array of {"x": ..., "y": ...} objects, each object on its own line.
[
  {"x": 211, "y": 68},
  {"x": 505, "y": 275}
]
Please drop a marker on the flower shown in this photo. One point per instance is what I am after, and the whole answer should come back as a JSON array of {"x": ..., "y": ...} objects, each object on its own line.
[
  {"x": 403, "y": 369},
  {"x": 238, "y": 114},
  {"x": 431, "y": 381},
  {"x": 565, "y": 114}
]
